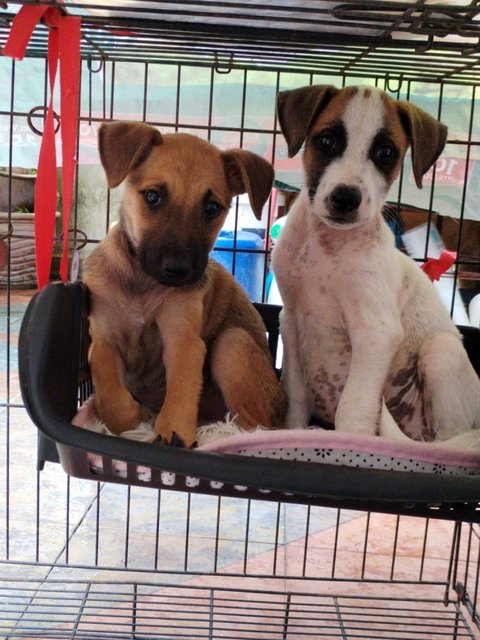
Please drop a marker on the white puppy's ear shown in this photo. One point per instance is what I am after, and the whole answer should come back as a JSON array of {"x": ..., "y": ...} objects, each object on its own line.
[
  {"x": 297, "y": 110},
  {"x": 247, "y": 172},
  {"x": 426, "y": 135},
  {"x": 123, "y": 146}
]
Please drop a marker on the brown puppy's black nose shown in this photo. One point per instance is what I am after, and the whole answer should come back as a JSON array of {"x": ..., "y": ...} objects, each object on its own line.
[
  {"x": 174, "y": 264},
  {"x": 344, "y": 199},
  {"x": 177, "y": 270}
]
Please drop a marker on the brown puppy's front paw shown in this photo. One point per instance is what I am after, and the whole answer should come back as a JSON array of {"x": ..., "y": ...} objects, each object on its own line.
[
  {"x": 172, "y": 435},
  {"x": 121, "y": 414},
  {"x": 176, "y": 442}
]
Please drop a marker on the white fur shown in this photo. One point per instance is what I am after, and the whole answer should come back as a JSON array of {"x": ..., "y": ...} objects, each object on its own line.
[
  {"x": 144, "y": 431},
  {"x": 356, "y": 309}
]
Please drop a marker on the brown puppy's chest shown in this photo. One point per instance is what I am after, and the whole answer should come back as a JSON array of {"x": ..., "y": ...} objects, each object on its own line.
[
  {"x": 145, "y": 372},
  {"x": 140, "y": 345}
]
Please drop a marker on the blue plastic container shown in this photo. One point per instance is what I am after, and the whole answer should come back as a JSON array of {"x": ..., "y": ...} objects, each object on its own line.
[{"x": 249, "y": 266}]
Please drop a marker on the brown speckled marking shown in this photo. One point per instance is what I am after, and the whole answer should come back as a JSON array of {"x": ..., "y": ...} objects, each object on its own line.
[
  {"x": 303, "y": 255},
  {"x": 324, "y": 392},
  {"x": 329, "y": 243},
  {"x": 333, "y": 243},
  {"x": 405, "y": 375},
  {"x": 406, "y": 401}
]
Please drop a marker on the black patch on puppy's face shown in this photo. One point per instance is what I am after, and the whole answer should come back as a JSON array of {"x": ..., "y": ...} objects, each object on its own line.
[
  {"x": 324, "y": 146},
  {"x": 384, "y": 154}
]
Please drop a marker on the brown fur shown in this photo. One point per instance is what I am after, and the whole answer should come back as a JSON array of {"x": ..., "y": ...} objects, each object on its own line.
[{"x": 172, "y": 330}]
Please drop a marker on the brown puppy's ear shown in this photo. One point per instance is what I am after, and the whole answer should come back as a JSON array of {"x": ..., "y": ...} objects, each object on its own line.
[
  {"x": 123, "y": 146},
  {"x": 426, "y": 135},
  {"x": 297, "y": 110},
  {"x": 247, "y": 172}
]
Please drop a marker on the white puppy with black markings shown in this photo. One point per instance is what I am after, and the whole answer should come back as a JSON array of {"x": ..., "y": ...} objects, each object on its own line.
[{"x": 368, "y": 344}]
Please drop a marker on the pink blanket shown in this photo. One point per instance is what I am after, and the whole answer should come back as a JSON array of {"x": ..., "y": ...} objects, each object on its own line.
[{"x": 313, "y": 445}]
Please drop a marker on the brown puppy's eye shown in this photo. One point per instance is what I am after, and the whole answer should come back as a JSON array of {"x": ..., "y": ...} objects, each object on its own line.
[
  {"x": 153, "y": 198},
  {"x": 213, "y": 209}
]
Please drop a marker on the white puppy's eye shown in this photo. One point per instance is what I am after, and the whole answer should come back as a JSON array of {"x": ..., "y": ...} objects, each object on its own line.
[
  {"x": 153, "y": 198},
  {"x": 385, "y": 152},
  {"x": 330, "y": 142},
  {"x": 326, "y": 141}
]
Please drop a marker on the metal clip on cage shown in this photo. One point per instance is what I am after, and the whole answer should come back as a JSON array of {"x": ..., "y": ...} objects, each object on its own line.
[{"x": 54, "y": 377}]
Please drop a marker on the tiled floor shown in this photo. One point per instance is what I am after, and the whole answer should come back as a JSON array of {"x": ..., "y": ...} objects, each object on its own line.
[
  {"x": 53, "y": 528},
  {"x": 10, "y": 319}
]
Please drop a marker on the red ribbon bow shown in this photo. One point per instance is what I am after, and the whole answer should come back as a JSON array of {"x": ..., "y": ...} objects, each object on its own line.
[
  {"x": 63, "y": 46},
  {"x": 435, "y": 267}
]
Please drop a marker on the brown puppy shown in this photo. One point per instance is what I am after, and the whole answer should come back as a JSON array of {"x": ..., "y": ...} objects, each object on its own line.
[{"x": 171, "y": 330}]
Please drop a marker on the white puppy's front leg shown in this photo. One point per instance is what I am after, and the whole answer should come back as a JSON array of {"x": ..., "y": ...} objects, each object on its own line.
[
  {"x": 298, "y": 414},
  {"x": 360, "y": 409},
  {"x": 389, "y": 428}
]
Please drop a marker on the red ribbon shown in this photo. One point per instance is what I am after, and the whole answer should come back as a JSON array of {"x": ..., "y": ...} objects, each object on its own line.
[
  {"x": 435, "y": 267},
  {"x": 63, "y": 46}
]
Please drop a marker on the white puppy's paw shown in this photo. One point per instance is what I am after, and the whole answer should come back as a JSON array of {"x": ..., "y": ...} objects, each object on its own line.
[
  {"x": 297, "y": 418},
  {"x": 467, "y": 440},
  {"x": 347, "y": 421}
]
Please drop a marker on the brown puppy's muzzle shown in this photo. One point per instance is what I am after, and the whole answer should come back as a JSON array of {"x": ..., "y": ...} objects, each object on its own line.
[
  {"x": 343, "y": 202},
  {"x": 173, "y": 265}
]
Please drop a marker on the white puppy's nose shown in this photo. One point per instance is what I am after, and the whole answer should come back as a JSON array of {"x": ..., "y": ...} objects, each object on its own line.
[{"x": 344, "y": 199}]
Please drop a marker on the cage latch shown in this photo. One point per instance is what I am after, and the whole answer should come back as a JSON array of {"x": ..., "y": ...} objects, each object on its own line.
[{"x": 223, "y": 62}]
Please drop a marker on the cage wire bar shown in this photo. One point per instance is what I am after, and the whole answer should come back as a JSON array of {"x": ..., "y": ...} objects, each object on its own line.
[
  {"x": 97, "y": 560},
  {"x": 367, "y": 38}
]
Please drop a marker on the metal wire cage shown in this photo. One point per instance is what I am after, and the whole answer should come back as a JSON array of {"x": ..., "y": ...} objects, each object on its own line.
[{"x": 96, "y": 559}]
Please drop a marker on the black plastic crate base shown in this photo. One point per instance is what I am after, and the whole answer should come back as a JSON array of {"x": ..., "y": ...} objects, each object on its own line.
[{"x": 54, "y": 376}]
